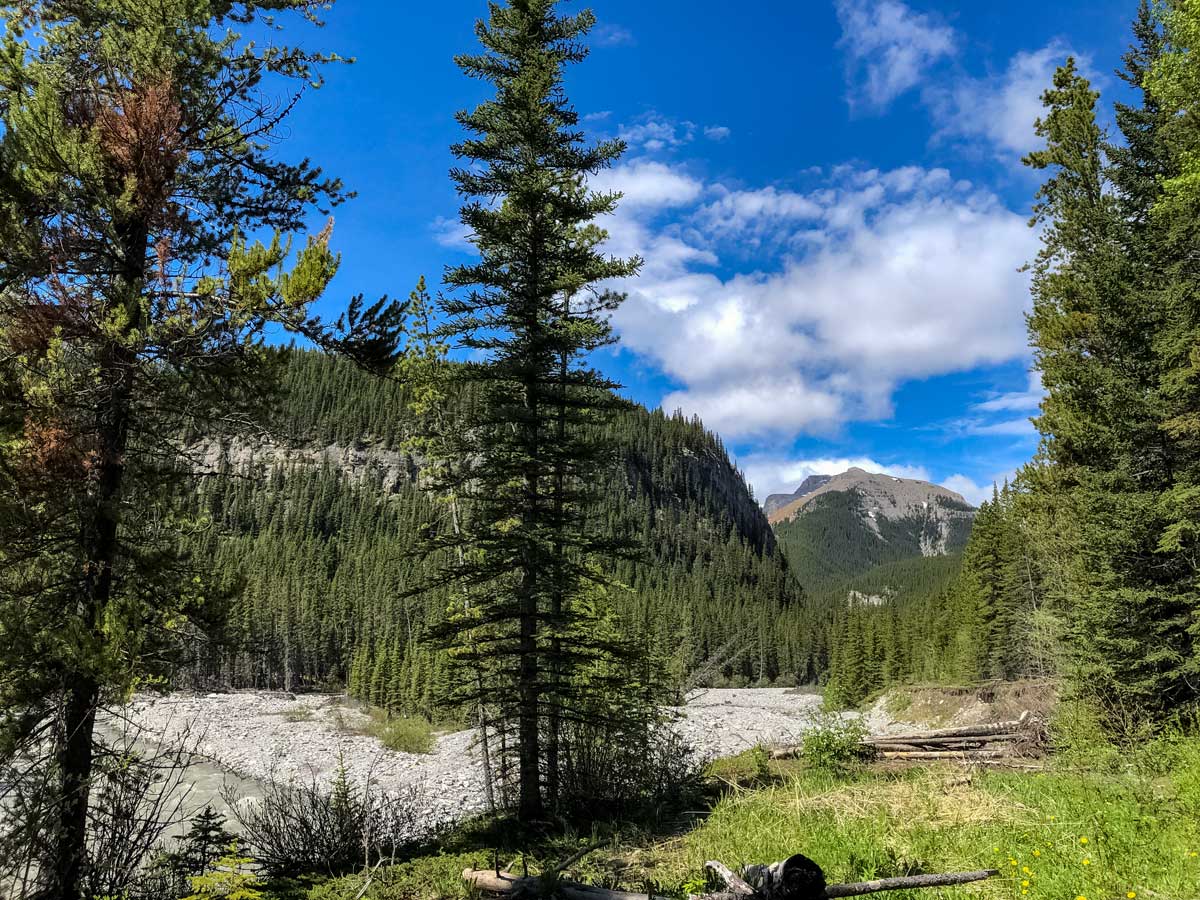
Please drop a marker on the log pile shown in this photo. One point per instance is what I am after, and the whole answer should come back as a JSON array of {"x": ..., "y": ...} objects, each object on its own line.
[
  {"x": 977, "y": 743},
  {"x": 795, "y": 878}
]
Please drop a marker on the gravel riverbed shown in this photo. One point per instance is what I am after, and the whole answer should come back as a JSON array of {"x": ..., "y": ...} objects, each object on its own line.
[{"x": 272, "y": 737}]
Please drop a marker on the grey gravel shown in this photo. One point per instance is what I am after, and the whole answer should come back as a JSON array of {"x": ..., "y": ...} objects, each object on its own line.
[{"x": 273, "y": 737}]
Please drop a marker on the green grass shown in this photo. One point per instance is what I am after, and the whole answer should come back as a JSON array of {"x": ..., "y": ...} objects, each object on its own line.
[
  {"x": 408, "y": 735},
  {"x": 1141, "y": 825}
]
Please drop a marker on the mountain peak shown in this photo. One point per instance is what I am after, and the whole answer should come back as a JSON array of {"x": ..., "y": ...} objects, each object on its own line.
[
  {"x": 885, "y": 495},
  {"x": 779, "y": 501}
]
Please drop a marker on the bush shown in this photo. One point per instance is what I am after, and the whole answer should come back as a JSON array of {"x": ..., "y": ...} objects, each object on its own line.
[
  {"x": 230, "y": 878},
  {"x": 626, "y": 774},
  {"x": 297, "y": 829},
  {"x": 413, "y": 735},
  {"x": 835, "y": 743}
]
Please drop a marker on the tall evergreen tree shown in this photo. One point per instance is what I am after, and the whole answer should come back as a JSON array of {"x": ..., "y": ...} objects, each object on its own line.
[
  {"x": 133, "y": 150},
  {"x": 534, "y": 308},
  {"x": 1096, "y": 328}
]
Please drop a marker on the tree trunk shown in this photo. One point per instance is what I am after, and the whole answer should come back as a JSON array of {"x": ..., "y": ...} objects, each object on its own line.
[
  {"x": 99, "y": 525},
  {"x": 530, "y": 806},
  {"x": 68, "y": 864}
]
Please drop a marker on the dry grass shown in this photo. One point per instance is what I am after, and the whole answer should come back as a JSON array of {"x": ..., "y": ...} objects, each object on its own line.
[{"x": 929, "y": 799}]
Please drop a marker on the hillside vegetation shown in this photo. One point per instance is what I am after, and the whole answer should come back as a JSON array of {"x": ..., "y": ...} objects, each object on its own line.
[{"x": 328, "y": 576}]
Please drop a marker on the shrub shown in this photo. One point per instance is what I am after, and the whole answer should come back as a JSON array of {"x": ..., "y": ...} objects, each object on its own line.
[
  {"x": 407, "y": 735},
  {"x": 625, "y": 774},
  {"x": 835, "y": 743},
  {"x": 229, "y": 878},
  {"x": 306, "y": 828}
]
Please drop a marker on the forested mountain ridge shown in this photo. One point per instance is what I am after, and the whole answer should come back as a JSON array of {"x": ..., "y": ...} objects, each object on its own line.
[
  {"x": 320, "y": 528},
  {"x": 864, "y": 533}
]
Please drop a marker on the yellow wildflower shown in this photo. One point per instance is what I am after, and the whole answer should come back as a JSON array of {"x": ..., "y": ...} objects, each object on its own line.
[
  {"x": 1037, "y": 852},
  {"x": 1025, "y": 869},
  {"x": 1025, "y": 883},
  {"x": 1086, "y": 861},
  {"x": 1083, "y": 840},
  {"x": 1131, "y": 895}
]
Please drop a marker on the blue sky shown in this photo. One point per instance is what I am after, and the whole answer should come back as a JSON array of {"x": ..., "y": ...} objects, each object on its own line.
[{"x": 827, "y": 194}]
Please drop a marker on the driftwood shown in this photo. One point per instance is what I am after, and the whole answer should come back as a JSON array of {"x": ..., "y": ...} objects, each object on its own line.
[
  {"x": 946, "y": 754},
  {"x": 980, "y": 742},
  {"x": 795, "y": 878},
  {"x": 991, "y": 730}
]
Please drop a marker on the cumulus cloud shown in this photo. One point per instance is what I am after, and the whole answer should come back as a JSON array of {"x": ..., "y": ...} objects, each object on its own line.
[
  {"x": 653, "y": 133},
  {"x": 887, "y": 276},
  {"x": 756, "y": 214},
  {"x": 999, "y": 111},
  {"x": 769, "y": 474},
  {"x": 717, "y": 132},
  {"x": 974, "y": 492},
  {"x": 889, "y": 47},
  {"x": 646, "y": 183}
]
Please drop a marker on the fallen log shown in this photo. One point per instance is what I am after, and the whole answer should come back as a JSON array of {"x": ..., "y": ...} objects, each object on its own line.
[
  {"x": 994, "y": 728},
  {"x": 906, "y": 882},
  {"x": 531, "y": 886},
  {"x": 796, "y": 878},
  {"x": 977, "y": 743},
  {"x": 947, "y": 754}
]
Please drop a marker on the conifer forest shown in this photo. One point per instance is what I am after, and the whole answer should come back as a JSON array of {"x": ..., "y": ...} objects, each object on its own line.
[{"x": 479, "y": 584}]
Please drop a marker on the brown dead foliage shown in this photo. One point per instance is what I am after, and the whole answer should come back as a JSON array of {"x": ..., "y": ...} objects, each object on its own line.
[{"x": 141, "y": 133}]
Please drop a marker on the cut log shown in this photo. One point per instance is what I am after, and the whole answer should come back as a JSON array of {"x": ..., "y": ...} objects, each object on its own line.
[
  {"x": 962, "y": 731},
  {"x": 947, "y": 754}
]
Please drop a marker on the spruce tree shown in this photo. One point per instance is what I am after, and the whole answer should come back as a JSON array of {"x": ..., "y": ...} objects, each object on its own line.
[
  {"x": 532, "y": 309},
  {"x": 132, "y": 312},
  {"x": 1096, "y": 331}
]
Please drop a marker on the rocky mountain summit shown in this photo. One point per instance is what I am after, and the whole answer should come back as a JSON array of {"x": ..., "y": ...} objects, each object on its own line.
[
  {"x": 778, "y": 501},
  {"x": 879, "y": 496},
  {"x": 866, "y": 536}
]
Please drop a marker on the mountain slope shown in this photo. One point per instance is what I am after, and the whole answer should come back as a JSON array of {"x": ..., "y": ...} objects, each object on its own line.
[
  {"x": 866, "y": 534},
  {"x": 319, "y": 533}
]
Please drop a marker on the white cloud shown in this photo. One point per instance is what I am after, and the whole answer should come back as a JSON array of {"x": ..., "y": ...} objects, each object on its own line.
[
  {"x": 612, "y": 36},
  {"x": 1006, "y": 428},
  {"x": 1015, "y": 401},
  {"x": 890, "y": 276},
  {"x": 645, "y": 183},
  {"x": 717, "y": 133},
  {"x": 756, "y": 213},
  {"x": 889, "y": 47},
  {"x": 999, "y": 111},
  {"x": 653, "y": 133},
  {"x": 769, "y": 474},
  {"x": 451, "y": 233},
  {"x": 974, "y": 493}
]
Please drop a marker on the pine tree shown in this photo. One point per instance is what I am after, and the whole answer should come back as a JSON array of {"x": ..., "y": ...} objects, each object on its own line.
[
  {"x": 130, "y": 158},
  {"x": 532, "y": 308}
]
